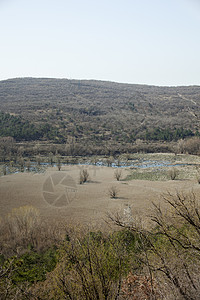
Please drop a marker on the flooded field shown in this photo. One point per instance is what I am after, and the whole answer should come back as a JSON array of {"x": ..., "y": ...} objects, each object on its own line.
[{"x": 140, "y": 163}]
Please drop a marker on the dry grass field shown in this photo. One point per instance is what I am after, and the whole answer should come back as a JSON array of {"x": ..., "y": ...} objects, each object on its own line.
[{"x": 60, "y": 196}]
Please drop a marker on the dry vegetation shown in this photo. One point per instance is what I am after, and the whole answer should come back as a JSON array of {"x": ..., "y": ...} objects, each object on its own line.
[
  {"x": 101, "y": 241},
  {"x": 118, "y": 174},
  {"x": 116, "y": 251},
  {"x": 158, "y": 261},
  {"x": 113, "y": 192},
  {"x": 84, "y": 176},
  {"x": 102, "y": 117}
]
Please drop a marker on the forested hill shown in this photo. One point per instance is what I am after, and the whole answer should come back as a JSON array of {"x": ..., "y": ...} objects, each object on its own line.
[{"x": 98, "y": 110}]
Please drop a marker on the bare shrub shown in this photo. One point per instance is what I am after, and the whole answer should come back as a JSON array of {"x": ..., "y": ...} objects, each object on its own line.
[
  {"x": 173, "y": 173},
  {"x": 179, "y": 230},
  {"x": 4, "y": 170},
  {"x": 51, "y": 158},
  {"x": 22, "y": 164},
  {"x": 24, "y": 227},
  {"x": 58, "y": 163},
  {"x": 113, "y": 192},
  {"x": 191, "y": 146},
  {"x": 170, "y": 252},
  {"x": 118, "y": 161},
  {"x": 28, "y": 165},
  {"x": 180, "y": 147},
  {"x": 38, "y": 160},
  {"x": 118, "y": 174},
  {"x": 20, "y": 151},
  {"x": 18, "y": 229},
  {"x": 23, "y": 220},
  {"x": 95, "y": 160},
  {"x": 84, "y": 176},
  {"x": 7, "y": 145},
  {"x": 109, "y": 161}
]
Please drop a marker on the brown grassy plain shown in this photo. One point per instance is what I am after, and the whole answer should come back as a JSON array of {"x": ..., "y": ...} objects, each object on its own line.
[{"x": 91, "y": 201}]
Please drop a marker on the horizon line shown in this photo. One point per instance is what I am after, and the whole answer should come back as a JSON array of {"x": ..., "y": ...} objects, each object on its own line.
[{"x": 100, "y": 80}]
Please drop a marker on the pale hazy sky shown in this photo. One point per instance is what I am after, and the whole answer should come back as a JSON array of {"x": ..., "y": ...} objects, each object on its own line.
[{"x": 133, "y": 41}]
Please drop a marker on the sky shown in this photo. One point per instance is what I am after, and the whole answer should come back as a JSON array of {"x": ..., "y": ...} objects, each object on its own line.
[{"x": 153, "y": 42}]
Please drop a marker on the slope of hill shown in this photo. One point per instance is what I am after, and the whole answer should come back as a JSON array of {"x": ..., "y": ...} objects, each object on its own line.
[{"x": 99, "y": 111}]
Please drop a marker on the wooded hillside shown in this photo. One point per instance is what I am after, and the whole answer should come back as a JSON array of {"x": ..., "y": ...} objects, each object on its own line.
[{"x": 98, "y": 111}]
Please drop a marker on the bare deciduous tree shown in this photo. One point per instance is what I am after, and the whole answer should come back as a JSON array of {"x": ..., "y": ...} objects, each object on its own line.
[{"x": 170, "y": 252}]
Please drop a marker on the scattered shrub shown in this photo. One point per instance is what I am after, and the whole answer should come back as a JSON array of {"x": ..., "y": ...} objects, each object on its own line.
[
  {"x": 118, "y": 174},
  {"x": 173, "y": 173},
  {"x": 113, "y": 192},
  {"x": 84, "y": 175}
]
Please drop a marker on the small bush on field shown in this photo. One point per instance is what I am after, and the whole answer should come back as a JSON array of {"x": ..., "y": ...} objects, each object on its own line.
[
  {"x": 84, "y": 176},
  {"x": 118, "y": 174},
  {"x": 173, "y": 173},
  {"x": 58, "y": 163},
  {"x": 113, "y": 192}
]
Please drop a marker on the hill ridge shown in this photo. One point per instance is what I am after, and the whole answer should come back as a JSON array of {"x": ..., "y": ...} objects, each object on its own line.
[{"x": 101, "y": 110}]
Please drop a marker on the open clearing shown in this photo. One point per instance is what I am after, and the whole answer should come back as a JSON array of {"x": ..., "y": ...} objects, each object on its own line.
[{"x": 87, "y": 203}]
